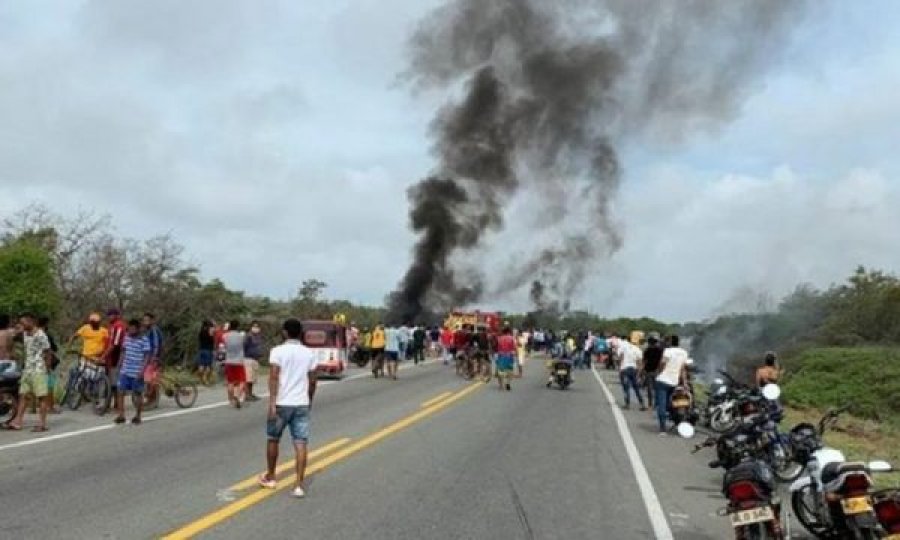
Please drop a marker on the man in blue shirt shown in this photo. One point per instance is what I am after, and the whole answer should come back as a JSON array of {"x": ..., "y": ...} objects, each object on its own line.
[{"x": 154, "y": 337}]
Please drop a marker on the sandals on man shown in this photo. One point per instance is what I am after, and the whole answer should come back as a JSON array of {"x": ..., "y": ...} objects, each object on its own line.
[
  {"x": 39, "y": 429},
  {"x": 9, "y": 426}
]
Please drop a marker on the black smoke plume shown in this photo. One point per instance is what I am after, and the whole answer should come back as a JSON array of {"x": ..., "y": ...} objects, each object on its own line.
[{"x": 549, "y": 90}]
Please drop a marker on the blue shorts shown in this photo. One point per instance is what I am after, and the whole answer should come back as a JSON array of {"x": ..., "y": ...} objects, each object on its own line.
[
  {"x": 204, "y": 358},
  {"x": 505, "y": 362},
  {"x": 297, "y": 418},
  {"x": 392, "y": 356},
  {"x": 130, "y": 384}
]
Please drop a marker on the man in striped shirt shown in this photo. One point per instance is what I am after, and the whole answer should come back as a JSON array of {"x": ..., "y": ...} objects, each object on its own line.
[{"x": 136, "y": 351}]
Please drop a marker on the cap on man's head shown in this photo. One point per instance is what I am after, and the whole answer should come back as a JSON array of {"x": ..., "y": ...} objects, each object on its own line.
[{"x": 94, "y": 317}]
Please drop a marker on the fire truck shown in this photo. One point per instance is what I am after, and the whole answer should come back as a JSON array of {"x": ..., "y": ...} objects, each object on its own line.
[{"x": 489, "y": 320}]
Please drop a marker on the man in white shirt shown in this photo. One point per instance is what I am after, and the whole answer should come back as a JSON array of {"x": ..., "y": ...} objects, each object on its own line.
[
  {"x": 292, "y": 385},
  {"x": 672, "y": 370},
  {"x": 630, "y": 357}
]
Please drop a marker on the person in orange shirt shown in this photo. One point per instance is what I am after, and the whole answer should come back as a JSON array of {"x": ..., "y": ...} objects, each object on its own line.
[{"x": 94, "y": 339}]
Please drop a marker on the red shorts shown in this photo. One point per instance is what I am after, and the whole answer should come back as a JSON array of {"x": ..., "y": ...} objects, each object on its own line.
[{"x": 235, "y": 373}]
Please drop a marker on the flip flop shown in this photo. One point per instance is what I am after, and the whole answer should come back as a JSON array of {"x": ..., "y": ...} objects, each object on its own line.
[
  {"x": 39, "y": 429},
  {"x": 10, "y": 427}
]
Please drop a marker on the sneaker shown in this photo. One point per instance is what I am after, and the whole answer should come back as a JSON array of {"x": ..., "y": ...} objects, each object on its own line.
[
  {"x": 119, "y": 420},
  {"x": 508, "y": 387},
  {"x": 663, "y": 434},
  {"x": 237, "y": 404},
  {"x": 626, "y": 406},
  {"x": 643, "y": 408},
  {"x": 298, "y": 493},
  {"x": 266, "y": 483},
  {"x": 136, "y": 420}
]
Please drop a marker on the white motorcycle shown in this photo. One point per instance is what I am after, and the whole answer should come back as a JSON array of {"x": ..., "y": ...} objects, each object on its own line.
[{"x": 832, "y": 499}]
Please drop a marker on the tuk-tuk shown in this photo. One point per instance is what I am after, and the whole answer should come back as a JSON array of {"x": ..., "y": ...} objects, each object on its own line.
[{"x": 328, "y": 339}]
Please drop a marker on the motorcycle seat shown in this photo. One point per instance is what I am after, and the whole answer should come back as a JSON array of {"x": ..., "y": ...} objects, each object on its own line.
[{"x": 832, "y": 471}]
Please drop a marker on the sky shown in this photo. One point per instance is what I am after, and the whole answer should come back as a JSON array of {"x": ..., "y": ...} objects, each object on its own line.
[{"x": 276, "y": 141}]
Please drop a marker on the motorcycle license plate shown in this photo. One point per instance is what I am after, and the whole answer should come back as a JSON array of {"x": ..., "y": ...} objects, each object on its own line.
[
  {"x": 856, "y": 505},
  {"x": 678, "y": 403},
  {"x": 561, "y": 372},
  {"x": 754, "y": 515}
]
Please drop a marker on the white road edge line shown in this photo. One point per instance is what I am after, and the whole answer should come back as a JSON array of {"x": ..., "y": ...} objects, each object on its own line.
[
  {"x": 651, "y": 501},
  {"x": 170, "y": 414}
]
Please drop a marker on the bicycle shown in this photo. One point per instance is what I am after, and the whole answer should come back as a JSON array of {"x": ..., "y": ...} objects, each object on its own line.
[
  {"x": 173, "y": 385},
  {"x": 88, "y": 382}
]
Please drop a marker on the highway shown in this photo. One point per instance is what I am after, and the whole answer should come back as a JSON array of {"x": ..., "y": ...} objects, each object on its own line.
[{"x": 428, "y": 456}]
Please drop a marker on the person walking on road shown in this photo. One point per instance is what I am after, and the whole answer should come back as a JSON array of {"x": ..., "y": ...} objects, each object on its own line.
[
  {"x": 392, "y": 350},
  {"x": 418, "y": 345},
  {"x": 292, "y": 385},
  {"x": 34, "y": 374},
  {"x": 206, "y": 352},
  {"x": 630, "y": 363},
  {"x": 378, "y": 343},
  {"x": 506, "y": 358},
  {"x": 672, "y": 370},
  {"x": 253, "y": 352},
  {"x": 235, "y": 372},
  {"x": 137, "y": 352},
  {"x": 650, "y": 367},
  {"x": 404, "y": 336}
]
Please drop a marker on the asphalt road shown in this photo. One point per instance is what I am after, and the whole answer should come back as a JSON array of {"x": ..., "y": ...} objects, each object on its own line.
[{"x": 428, "y": 456}]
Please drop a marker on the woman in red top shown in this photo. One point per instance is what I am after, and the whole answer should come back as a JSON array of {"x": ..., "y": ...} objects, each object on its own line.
[{"x": 506, "y": 358}]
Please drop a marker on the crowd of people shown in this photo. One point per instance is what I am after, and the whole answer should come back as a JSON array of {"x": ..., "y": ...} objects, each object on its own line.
[{"x": 124, "y": 350}]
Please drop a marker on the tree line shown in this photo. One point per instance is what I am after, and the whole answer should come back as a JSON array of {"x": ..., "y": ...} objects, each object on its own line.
[
  {"x": 863, "y": 310},
  {"x": 67, "y": 267}
]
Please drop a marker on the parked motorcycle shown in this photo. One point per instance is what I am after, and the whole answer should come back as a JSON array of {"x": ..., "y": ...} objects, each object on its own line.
[
  {"x": 681, "y": 406},
  {"x": 753, "y": 508},
  {"x": 9, "y": 389},
  {"x": 887, "y": 508},
  {"x": 833, "y": 498}
]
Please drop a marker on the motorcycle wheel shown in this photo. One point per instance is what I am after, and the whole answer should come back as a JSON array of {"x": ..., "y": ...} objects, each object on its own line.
[
  {"x": 801, "y": 502},
  {"x": 8, "y": 404}
]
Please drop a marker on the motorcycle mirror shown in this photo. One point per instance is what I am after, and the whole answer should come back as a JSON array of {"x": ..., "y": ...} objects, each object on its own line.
[
  {"x": 880, "y": 466},
  {"x": 771, "y": 392},
  {"x": 686, "y": 430},
  {"x": 722, "y": 391},
  {"x": 718, "y": 381}
]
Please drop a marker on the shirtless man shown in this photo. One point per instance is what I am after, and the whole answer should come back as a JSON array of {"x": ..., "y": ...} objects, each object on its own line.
[{"x": 6, "y": 338}]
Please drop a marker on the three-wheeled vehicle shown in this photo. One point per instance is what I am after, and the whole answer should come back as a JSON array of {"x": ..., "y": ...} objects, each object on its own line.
[{"x": 328, "y": 339}]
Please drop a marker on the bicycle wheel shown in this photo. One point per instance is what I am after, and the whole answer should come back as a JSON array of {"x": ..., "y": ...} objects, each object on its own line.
[
  {"x": 101, "y": 394},
  {"x": 186, "y": 395},
  {"x": 74, "y": 393}
]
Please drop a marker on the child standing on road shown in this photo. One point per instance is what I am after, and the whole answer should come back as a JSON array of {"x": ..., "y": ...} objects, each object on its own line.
[{"x": 136, "y": 350}]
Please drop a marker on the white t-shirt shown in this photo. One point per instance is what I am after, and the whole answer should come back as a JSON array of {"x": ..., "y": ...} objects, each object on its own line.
[
  {"x": 630, "y": 355},
  {"x": 296, "y": 360},
  {"x": 675, "y": 359}
]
